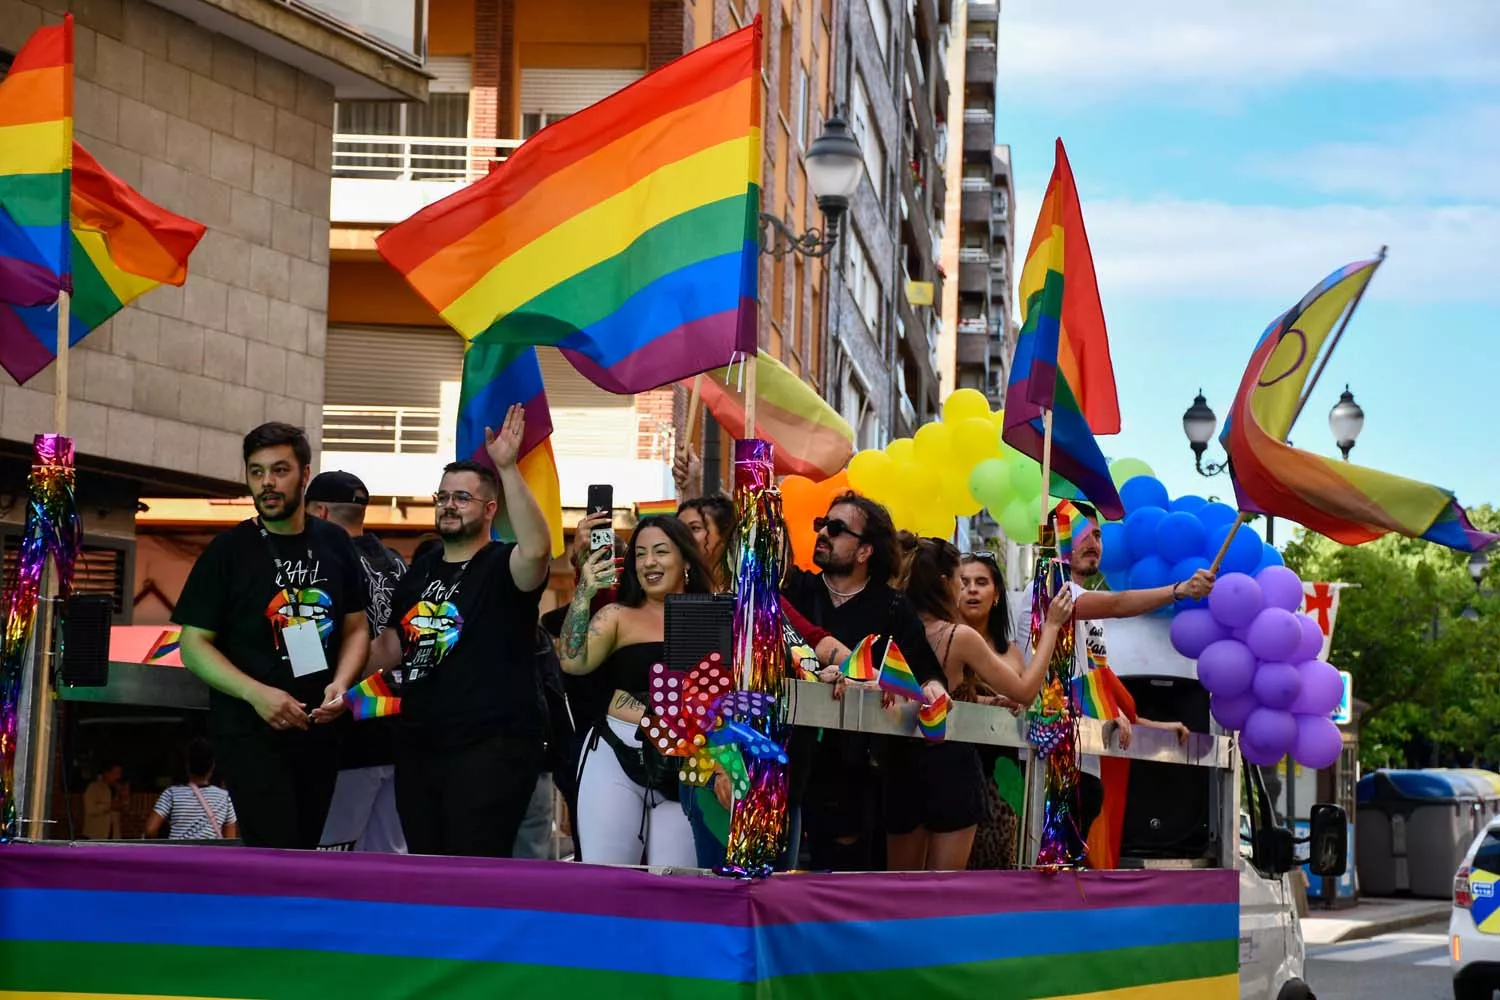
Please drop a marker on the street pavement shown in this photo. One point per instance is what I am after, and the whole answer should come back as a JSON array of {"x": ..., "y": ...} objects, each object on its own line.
[{"x": 1409, "y": 965}]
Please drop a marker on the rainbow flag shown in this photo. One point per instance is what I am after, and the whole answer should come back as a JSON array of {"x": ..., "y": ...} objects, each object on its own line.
[
  {"x": 1062, "y": 362},
  {"x": 859, "y": 665},
  {"x": 808, "y": 436},
  {"x": 122, "y": 247},
  {"x": 625, "y": 234},
  {"x": 932, "y": 720},
  {"x": 1094, "y": 696},
  {"x": 656, "y": 508},
  {"x": 495, "y": 377},
  {"x": 165, "y": 645},
  {"x": 896, "y": 676},
  {"x": 372, "y": 698},
  {"x": 1348, "y": 503},
  {"x": 1066, "y": 513},
  {"x": 163, "y": 921}
]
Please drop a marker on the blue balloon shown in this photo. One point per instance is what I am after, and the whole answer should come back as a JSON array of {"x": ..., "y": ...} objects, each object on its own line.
[
  {"x": 1142, "y": 492},
  {"x": 1180, "y": 535},
  {"x": 1117, "y": 582},
  {"x": 1269, "y": 556},
  {"x": 1244, "y": 552},
  {"x": 1114, "y": 554},
  {"x": 1149, "y": 573},
  {"x": 1183, "y": 570},
  {"x": 1140, "y": 531},
  {"x": 1190, "y": 503},
  {"x": 1216, "y": 515}
]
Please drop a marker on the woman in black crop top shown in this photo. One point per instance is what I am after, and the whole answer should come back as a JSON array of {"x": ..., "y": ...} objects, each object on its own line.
[{"x": 627, "y": 801}]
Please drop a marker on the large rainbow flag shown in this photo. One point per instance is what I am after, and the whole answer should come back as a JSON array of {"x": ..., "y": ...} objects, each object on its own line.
[
  {"x": 497, "y": 376},
  {"x": 122, "y": 247},
  {"x": 625, "y": 234},
  {"x": 808, "y": 436},
  {"x": 1348, "y": 503},
  {"x": 204, "y": 922},
  {"x": 36, "y": 144},
  {"x": 1062, "y": 362}
]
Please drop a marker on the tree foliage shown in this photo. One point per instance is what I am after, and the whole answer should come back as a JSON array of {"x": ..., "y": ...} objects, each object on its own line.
[{"x": 1421, "y": 641}]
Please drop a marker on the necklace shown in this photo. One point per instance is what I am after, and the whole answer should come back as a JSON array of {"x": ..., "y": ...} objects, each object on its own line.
[{"x": 840, "y": 596}]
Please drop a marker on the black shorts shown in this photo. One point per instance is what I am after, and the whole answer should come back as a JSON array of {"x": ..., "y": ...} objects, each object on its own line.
[{"x": 934, "y": 786}]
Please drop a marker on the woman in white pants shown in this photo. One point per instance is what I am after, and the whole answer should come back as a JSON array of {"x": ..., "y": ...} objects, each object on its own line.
[{"x": 628, "y": 810}]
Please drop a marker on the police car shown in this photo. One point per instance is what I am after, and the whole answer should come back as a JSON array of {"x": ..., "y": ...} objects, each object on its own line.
[{"x": 1474, "y": 929}]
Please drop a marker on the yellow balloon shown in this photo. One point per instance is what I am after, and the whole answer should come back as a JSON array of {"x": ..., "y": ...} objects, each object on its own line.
[
  {"x": 935, "y": 524},
  {"x": 998, "y": 419},
  {"x": 974, "y": 440},
  {"x": 956, "y": 498},
  {"x": 963, "y": 404},
  {"x": 902, "y": 450},
  {"x": 871, "y": 472},
  {"x": 934, "y": 445}
]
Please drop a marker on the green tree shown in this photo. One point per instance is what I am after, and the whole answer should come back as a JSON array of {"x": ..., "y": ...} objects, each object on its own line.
[{"x": 1422, "y": 645}]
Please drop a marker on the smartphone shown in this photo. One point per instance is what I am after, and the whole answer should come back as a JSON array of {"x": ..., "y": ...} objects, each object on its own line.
[{"x": 601, "y": 499}]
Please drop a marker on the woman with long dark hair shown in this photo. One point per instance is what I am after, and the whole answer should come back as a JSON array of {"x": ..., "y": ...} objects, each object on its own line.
[
  {"x": 711, "y": 519},
  {"x": 628, "y": 811},
  {"x": 933, "y": 795}
]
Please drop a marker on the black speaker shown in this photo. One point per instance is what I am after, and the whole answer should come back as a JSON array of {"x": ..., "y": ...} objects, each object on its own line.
[
  {"x": 696, "y": 625},
  {"x": 85, "y": 646},
  {"x": 1168, "y": 806}
]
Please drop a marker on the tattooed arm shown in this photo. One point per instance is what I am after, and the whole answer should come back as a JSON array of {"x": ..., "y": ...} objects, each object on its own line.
[
  {"x": 586, "y": 642},
  {"x": 627, "y": 708}
]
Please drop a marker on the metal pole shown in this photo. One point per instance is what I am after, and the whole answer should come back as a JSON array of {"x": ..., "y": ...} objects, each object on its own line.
[{"x": 35, "y": 799}]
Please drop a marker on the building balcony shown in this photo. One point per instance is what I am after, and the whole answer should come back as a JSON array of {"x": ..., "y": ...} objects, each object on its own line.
[
  {"x": 981, "y": 63},
  {"x": 383, "y": 179},
  {"x": 977, "y": 206},
  {"x": 974, "y": 271},
  {"x": 984, "y": 11},
  {"x": 979, "y": 132},
  {"x": 369, "y": 51}
]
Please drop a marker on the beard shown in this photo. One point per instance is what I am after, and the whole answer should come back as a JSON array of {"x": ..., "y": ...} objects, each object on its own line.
[
  {"x": 1086, "y": 566},
  {"x": 288, "y": 506},
  {"x": 825, "y": 560},
  {"x": 457, "y": 529}
]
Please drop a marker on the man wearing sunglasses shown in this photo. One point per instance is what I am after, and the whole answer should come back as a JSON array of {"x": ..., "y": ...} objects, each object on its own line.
[{"x": 852, "y": 598}]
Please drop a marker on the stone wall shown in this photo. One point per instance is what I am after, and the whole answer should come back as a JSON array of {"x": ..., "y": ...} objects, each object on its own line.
[{"x": 213, "y": 130}]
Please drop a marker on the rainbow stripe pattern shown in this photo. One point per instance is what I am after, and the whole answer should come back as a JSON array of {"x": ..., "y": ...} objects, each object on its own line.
[
  {"x": 625, "y": 234},
  {"x": 372, "y": 698},
  {"x": 859, "y": 665},
  {"x": 932, "y": 720},
  {"x": 202, "y": 922},
  {"x": 1062, "y": 363},
  {"x": 169, "y": 642},
  {"x": 1093, "y": 695},
  {"x": 655, "y": 508},
  {"x": 896, "y": 676},
  {"x": 496, "y": 377},
  {"x": 1348, "y": 503}
]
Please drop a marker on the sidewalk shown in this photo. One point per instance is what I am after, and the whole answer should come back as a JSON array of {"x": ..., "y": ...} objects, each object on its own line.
[{"x": 1372, "y": 917}]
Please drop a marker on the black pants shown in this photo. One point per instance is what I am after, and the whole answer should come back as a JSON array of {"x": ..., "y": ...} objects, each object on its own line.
[
  {"x": 281, "y": 784},
  {"x": 466, "y": 801},
  {"x": 842, "y": 806}
]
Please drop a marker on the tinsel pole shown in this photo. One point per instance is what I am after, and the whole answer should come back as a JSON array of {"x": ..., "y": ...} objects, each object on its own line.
[
  {"x": 758, "y": 825},
  {"x": 1053, "y": 731},
  {"x": 52, "y": 530}
]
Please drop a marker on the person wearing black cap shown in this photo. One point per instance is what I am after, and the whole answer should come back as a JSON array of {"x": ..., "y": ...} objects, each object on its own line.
[{"x": 363, "y": 814}]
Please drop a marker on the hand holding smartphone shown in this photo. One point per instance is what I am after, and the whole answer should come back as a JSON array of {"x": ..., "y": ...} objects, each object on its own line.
[{"x": 601, "y": 500}]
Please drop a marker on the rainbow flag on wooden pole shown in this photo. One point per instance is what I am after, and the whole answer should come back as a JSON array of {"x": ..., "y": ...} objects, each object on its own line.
[
  {"x": 625, "y": 234},
  {"x": 1062, "y": 382}
]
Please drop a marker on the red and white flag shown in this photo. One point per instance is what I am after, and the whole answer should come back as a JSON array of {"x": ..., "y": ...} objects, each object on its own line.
[{"x": 1321, "y": 602}]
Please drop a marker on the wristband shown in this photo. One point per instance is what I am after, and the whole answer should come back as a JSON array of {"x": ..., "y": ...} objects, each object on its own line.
[{"x": 1174, "y": 591}]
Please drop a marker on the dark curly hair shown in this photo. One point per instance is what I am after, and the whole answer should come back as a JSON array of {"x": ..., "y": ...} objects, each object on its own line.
[
  {"x": 631, "y": 593},
  {"x": 879, "y": 535}
]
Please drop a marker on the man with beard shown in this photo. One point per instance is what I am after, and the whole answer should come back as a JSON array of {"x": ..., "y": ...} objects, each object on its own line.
[
  {"x": 363, "y": 814},
  {"x": 273, "y": 620},
  {"x": 1102, "y": 783},
  {"x": 852, "y": 598},
  {"x": 462, "y": 644}
]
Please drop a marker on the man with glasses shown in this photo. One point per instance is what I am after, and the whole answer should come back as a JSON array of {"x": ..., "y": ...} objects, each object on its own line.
[
  {"x": 462, "y": 645},
  {"x": 852, "y": 598}
]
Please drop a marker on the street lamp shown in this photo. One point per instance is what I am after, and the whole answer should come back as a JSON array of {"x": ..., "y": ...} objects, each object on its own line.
[
  {"x": 835, "y": 164},
  {"x": 1478, "y": 564},
  {"x": 1346, "y": 420},
  {"x": 1199, "y": 424}
]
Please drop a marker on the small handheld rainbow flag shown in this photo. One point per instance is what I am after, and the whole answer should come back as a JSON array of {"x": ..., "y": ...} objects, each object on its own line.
[
  {"x": 932, "y": 720},
  {"x": 1066, "y": 512},
  {"x": 165, "y": 645},
  {"x": 372, "y": 698},
  {"x": 896, "y": 676},
  {"x": 859, "y": 665},
  {"x": 656, "y": 508}
]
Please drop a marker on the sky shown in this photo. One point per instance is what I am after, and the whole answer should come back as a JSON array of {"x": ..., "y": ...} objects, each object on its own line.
[{"x": 1230, "y": 155}]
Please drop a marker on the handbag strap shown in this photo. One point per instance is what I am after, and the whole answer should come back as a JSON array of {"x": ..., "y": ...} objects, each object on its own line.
[{"x": 208, "y": 809}]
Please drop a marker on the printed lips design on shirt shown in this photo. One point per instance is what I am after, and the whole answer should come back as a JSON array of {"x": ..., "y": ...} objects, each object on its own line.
[
  {"x": 441, "y": 623},
  {"x": 292, "y": 607}
]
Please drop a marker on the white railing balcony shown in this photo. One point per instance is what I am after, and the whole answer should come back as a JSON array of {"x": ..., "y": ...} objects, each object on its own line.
[
  {"x": 982, "y": 44},
  {"x": 976, "y": 184},
  {"x": 392, "y": 430},
  {"x": 973, "y": 255},
  {"x": 382, "y": 179},
  {"x": 974, "y": 324},
  {"x": 978, "y": 115}
]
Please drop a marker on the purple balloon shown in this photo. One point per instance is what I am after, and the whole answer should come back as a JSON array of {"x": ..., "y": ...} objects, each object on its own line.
[
  {"x": 1312, "y": 639},
  {"x": 1226, "y": 668},
  {"x": 1274, "y": 635},
  {"x": 1322, "y": 689},
  {"x": 1235, "y": 600},
  {"x": 1253, "y": 754},
  {"x": 1272, "y": 730},
  {"x": 1281, "y": 587},
  {"x": 1195, "y": 630},
  {"x": 1319, "y": 742},
  {"x": 1276, "y": 685},
  {"x": 1231, "y": 712}
]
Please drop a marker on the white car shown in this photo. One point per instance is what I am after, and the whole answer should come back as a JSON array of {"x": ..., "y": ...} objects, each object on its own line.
[{"x": 1474, "y": 929}]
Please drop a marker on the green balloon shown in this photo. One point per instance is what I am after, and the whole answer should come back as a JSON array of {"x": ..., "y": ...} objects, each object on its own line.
[
  {"x": 1025, "y": 476},
  {"x": 990, "y": 483},
  {"x": 1122, "y": 470},
  {"x": 1018, "y": 520},
  {"x": 1010, "y": 782}
]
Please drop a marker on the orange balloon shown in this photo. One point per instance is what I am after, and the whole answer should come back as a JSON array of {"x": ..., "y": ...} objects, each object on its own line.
[{"x": 802, "y": 501}]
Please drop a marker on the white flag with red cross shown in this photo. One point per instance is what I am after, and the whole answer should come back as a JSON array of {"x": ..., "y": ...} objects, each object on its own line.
[{"x": 1320, "y": 601}]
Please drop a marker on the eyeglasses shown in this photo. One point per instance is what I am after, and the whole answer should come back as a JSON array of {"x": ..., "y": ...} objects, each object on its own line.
[
  {"x": 460, "y": 498},
  {"x": 834, "y": 528}
]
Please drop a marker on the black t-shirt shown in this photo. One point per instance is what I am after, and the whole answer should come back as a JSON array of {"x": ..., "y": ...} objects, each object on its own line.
[
  {"x": 243, "y": 594},
  {"x": 876, "y": 610},
  {"x": 371, "y": 742},
  {"x": 468, "y": 651}
]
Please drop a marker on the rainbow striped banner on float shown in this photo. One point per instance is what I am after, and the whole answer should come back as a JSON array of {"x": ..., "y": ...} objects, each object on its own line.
[{"x": 207, "y": 922}]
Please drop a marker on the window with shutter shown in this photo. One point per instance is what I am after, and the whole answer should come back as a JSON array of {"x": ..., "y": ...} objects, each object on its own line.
[{"x": 104, "y": 566}]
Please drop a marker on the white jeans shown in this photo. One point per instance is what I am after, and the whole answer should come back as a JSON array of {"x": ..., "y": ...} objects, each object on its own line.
[
  {"x": 622, "y": 823},
  {"x": 362, "y": 815}
]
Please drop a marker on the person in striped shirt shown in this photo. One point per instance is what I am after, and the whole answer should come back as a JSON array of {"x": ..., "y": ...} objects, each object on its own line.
[{"x": 197, "y": 810}]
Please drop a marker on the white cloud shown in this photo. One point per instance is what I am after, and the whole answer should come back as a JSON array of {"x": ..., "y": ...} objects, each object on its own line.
[
  {"x": 1210, "y": 250},
  {"x": 1073, "y": 49}
]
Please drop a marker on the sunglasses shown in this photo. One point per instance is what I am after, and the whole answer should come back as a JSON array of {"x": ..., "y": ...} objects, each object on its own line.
[
  {"x": 985, "y": 556},
  {"x": 833, "y": 527}
]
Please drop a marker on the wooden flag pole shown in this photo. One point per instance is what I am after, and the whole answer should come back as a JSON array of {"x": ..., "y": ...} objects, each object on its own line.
[
  {"x": 750, "y": 398},
  {"x": 1046, "y": 467},
  {"x": 1243, "y": 519},
  {"x": 60, "y": 391}
]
